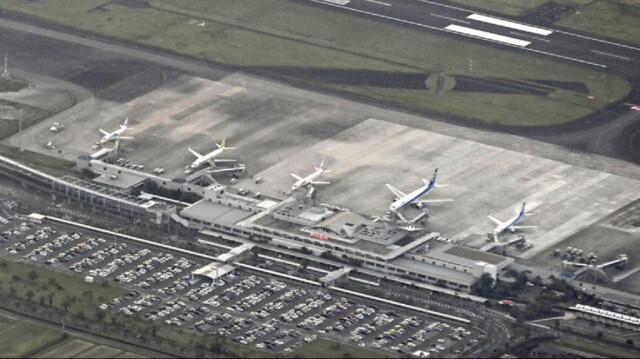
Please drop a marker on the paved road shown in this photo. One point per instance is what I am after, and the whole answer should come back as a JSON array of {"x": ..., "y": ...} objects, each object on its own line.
[{"x": 430, "y": 15}]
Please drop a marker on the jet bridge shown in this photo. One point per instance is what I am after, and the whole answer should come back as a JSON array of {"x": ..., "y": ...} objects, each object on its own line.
[{"x": 596, "y": 272}]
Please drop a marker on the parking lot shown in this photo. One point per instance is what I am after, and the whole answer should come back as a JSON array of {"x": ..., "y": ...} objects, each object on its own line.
[{"x": 248, "y": 308}]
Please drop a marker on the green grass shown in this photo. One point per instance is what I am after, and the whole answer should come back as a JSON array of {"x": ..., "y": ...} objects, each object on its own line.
[
  {"x": 609, "y": 18},
  {"x": 68, "y": 349},
  {"x": 53, "y": 165},
  {"x": 273, "y": 33},
  {"x": 11, "y": 110},
  {"x": 597, "y": 348},
  {"x": 23, "y": 339},
  {"x": 322, "y": 348},
  {"x": 66, "y": 292},
  {"x": 7, "y": 85}
]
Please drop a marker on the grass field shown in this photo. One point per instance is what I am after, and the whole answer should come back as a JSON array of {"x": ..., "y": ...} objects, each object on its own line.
[
  {"x": 321, "y": 348},
  {"x": 42, "y": 286},
  {"x": 614, "y": 19},
  {"x": 597, "y": 348},
  {"x": 273, "y": 34},
  {"x": 7, "y": 85},
  {"x": 11, "y": 111},
  {"x": 100, "y": 351},
  {"x": 23, "y": 339},
  {"x": 67, "y": 349},
  {"x": 53, "y": 165}
]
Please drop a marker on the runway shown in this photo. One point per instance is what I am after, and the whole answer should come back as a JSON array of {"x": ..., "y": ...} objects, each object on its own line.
[{"x": 597, "y": 53}]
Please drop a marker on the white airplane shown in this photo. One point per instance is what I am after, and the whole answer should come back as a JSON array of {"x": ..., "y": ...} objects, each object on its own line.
[
  {"x": 510, "y": 224},
  {"x": 309, "y": 180},
  {"x": 414, "y": 197},
  {"x": 209, "y": 157},
  {"x": 411, "y": 228},
  {"x": 112, "y": 136}
]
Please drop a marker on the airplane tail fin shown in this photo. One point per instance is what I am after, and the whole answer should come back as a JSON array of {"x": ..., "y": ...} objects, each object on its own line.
[
  {"x": 321, "y": 167},
  {"x": 435, "y": 174},
  {"x": 222, "y": 144},
  {"x": 522, "y": 211},
  {"x": 125, "y": 124}
]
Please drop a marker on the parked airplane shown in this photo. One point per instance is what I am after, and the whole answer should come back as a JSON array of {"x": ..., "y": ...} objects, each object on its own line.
[
  {"x": 510, "y": 224},
  {"x": 414, "y": 197},
  {"x": 411, "y": 228},
  {"x": 112, "y": 136},
  {"x": 209, "y": 157},
  {"x": 309, "y": 180}
]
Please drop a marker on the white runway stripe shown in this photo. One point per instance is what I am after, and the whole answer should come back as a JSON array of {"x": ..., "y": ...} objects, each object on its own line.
[
  {"x": 487, "y": 35},
  {"x": 510, "y": 24}
]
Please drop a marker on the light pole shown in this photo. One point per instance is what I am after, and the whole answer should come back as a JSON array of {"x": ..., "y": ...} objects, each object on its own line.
[{"x": 20, "y": 131}]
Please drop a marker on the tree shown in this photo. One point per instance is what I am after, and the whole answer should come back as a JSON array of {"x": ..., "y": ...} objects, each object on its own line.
[
  {"x": 537, "y": 280},
  {"x": 485, "y": 285},
  {"x": 29, "y": 294},
  {"x": 33, "y": 275},
  {"x": 100, "y": 315}
]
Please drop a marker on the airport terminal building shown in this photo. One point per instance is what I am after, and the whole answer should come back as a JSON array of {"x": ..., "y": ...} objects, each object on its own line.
[
  {"x": 322, "y": 229},
  {"x": 374, "y": 245}
]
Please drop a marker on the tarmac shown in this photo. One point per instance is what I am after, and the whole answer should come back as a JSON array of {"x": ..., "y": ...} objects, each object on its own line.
[{"x": 278, "y": 130}]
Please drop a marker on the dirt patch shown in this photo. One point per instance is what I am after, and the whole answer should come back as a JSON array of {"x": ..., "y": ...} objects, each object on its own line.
[{"x": 548, "y": 13}]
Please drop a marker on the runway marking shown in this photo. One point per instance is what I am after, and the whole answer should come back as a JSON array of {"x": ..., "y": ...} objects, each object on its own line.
[
  {"x": 558, "y": 31},
  {"x": 612, "y": 55},
  {"x": 457, "y": 33},
  {"x": 487, "y": 35},
  {"x": 450, "y": 18},
  {"x": 378, "y": 2},
  {"x": 529, "y": 36},
  {"x": 510, "y": 24},
  {"x": 568, "y": 58},
  {"x": 338, "y": 2},
  {"x": 447, "y": 6},
  {"x": 603, "y": 41}
]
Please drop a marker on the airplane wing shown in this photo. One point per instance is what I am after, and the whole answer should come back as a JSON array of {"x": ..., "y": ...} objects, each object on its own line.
[
  {"x": 195, "y": 153},
  {"x": 104, "y": 132},
  {"x": 433, "y": 201},
  {"x": 495, "y": 220},
  {"x": 223, "y": 160},
  {"x": 523, "y": 227},
  {"x": 296, "y": 176},
  {"x": 125, "y": 138},
  {"x": 320, "y": 182},
  {"x": 398, "y": 193}
]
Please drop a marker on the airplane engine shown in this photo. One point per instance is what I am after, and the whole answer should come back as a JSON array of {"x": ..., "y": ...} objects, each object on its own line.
[{"x": 419, "y": 205}]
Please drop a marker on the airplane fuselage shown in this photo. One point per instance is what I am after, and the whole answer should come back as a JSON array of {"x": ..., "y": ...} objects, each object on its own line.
[
  {"x": 507, "y": 225},
  {"x": 206, "y": 158},
  {"x": 306, "y": 180},
  {"x": 112, "y": 136},
  {"x": 412, "y": 197}
]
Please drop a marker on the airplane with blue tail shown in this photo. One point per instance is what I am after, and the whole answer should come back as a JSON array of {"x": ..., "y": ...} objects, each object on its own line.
[
  {"x": 510, "y": 224},
  {"x": 413, "y": 198}
]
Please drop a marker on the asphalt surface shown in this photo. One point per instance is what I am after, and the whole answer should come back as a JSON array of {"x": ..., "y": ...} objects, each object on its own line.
[
  {"x": 614, "y": 132},
  {"x": 429, "y": 15},
  {"x": 45, "y": 50}
]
